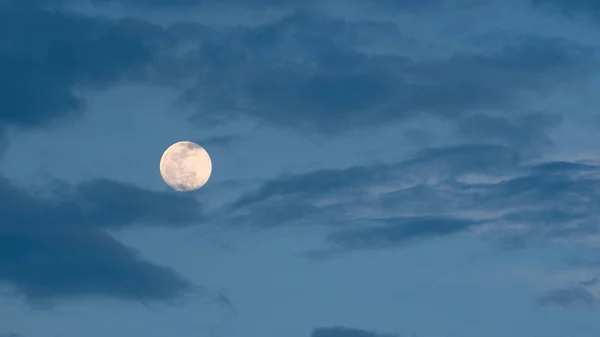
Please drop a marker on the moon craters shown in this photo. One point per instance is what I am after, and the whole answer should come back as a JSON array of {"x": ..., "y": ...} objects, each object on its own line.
[{"x": 185, "y": 166}]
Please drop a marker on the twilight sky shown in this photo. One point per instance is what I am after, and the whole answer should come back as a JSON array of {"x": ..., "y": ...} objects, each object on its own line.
[{"x": 386, "y": 168}]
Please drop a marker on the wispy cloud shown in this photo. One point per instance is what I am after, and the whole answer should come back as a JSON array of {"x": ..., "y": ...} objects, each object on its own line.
[
  {"x": 528, "y": 133},
  {"x": 568, "y": 298},
  {"x": 216, "y": 141},
  {"x": 488, "y": 189},
  {"x": 396, "y": 232}
]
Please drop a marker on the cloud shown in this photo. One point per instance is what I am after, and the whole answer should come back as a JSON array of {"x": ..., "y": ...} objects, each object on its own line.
[
  {"x": 225, "y": 302},
  {"x": 3, "y": 143},
  {"x": 528, "y": 132},
  {"x": 590, "y": 282},
  {"x": 101, "y": 203},
  {"x": 312, "y": 72},
  {"x": 135, "y": 205},
  {"x": 262, "y": 4},
  {"x": 10, "y": 334},
  {"x": 47, "y": 55},
  {"x": 216, "y": 141},
  {"x": 55, "y": 246},
  {"x": 441, "y": 163},
  {"x": 315, "y": 73},
  {"x": 312, "y": 184},
  {"x": 484, "y": 189},
  {"x": 570, "y": 7},
  {"x": 395, "y": 232},
  {"x": 345, "y": 332},
  {"x": 567, "y": 298}
]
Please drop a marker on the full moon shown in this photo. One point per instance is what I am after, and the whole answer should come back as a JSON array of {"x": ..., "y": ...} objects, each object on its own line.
[{"x": 185, "y": 166}]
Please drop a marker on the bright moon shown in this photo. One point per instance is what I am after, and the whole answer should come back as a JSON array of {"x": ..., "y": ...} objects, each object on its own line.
[{"x": 185, "y": 166}]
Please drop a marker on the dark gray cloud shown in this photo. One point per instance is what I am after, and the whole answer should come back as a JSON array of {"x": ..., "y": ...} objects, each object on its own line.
[
  {"x": 435, "y": 193},
  {"x": 396, "y": 232},
  {"x": 345, "y": 332},
  {"x": 262, "y": 4},
  {"x": 420, "y": 137},
  {"x": 100, "y": 203},
  {"x": 186, "y": 4},
  {"x": 333, "y": 197},
  {"x": 568, "y": 298},
  {"x": 274, "y": 214},
  {"x": 527, "y": 132},
  {"x": 3, "y": 143},
  {"x": 113, "y": 205},
  {"x": 223, "y": 301},
  {"x": 311, "y": 72},
  {"x": 590, "y": 282},
  {"x": 55, "y": 246},
  {"x": 216, "y": 141},
  {"x": 442, "y": 163},
  {"x": 313, "y": 184},
  {"x": 47, "y": 55},
  {"x": 590, "y": 8}
]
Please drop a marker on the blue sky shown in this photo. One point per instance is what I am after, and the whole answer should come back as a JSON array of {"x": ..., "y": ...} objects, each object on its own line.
[{"x": 380, "y": 168}]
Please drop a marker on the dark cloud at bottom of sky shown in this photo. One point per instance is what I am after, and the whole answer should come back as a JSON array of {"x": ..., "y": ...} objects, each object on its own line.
[{"x": 339, "y": 331}]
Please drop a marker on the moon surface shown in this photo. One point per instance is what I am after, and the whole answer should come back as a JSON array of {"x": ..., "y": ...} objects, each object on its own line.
[{"x": 185, "y": 166}]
